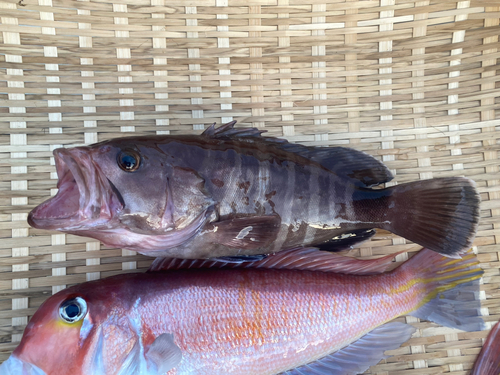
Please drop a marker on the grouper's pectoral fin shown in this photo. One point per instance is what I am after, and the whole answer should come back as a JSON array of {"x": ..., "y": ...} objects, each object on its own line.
[
  {"x": 246, "y": 233},
  {"x": 163, "y": 354},
  {"x": 361, "y": 354}
]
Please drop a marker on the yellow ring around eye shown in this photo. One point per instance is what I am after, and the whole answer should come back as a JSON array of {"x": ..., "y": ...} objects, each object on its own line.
[{"x": 73, "y": 310}]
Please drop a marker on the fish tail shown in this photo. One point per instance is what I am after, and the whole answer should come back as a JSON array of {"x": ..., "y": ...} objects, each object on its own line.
[
  {"x": 448, "y": 289},
  {"x": 488, "y": 360},
  {"x": 440, "y": 214}
]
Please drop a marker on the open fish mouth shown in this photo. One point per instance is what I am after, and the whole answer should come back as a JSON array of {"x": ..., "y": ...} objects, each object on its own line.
[
  {"x": 16, "y": 366},
  {"x": 86, "y": 198}
]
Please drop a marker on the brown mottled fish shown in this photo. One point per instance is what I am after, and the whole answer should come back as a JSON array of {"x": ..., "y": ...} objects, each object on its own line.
[{"x": 230, "y": 192}]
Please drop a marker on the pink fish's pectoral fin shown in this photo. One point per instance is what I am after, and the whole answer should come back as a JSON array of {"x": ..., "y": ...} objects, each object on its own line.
[
  {"x": 247, "y": 233},
  {"x": 163, "y": 354},
  {"x": 361, "y": 354}
]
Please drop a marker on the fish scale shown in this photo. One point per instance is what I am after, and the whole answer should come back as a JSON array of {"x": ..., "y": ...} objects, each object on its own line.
[
  {"x": 237, "y": 320},
  {"x": 271, "y": 321}
]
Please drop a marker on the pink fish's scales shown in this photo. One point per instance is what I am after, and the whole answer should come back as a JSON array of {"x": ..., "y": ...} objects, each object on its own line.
[{"x": 257, "y": 325}]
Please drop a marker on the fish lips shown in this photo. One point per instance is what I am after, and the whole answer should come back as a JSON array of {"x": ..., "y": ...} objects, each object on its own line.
[
  {"x": 16, "y": 366},
  {"x": 86, "y": 199}
]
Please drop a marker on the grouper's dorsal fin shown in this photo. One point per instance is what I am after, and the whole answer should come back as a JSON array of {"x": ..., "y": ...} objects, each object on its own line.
[
  {"x": 305, "y": 259},
  {"x": 362, "y": 169},
  {"x": 228, "y": 130}
]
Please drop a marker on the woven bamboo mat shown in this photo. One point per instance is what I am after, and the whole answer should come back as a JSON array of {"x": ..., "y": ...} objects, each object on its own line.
[{"x": 414, "y": 83}]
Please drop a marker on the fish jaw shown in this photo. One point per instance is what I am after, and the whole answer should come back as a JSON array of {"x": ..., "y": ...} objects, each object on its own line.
[
  {"x": 16, "y": 366},
  {"x": 86, "y": 199}
]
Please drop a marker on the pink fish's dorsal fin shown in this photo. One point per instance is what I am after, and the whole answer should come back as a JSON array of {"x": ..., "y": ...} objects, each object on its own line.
[{"x": 305, "y": 259}]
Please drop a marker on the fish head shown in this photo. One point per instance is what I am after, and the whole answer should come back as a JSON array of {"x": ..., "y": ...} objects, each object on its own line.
[
  {"x": 109, "y": 186},
  {"x": 92, "y": 328},
  {"x": 54, "y": 337}
]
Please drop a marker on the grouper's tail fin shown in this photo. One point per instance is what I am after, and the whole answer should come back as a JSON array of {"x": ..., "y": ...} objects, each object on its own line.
[
  {"x": 440, "y": 214},
  {"x": 450, "y": 294}
]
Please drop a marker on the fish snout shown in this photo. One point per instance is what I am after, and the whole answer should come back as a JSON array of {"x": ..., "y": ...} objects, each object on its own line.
[
  {"x": 16, "y": 366},
  {"x": 85, "y": 197}
]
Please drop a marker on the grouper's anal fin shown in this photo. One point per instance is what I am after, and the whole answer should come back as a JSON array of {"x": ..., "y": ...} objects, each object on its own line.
[{"x": 346, "y": 241}]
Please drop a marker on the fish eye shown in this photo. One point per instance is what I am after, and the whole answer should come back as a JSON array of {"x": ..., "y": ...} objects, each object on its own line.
[
  {"x": 73, "y": 310},
  {"x": 128, "y": 160}
]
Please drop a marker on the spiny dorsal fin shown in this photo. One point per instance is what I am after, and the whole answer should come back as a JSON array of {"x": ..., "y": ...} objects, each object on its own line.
[
  {"x": 363, "y": 169},
  {"x": 310, "y": 259},
  {"x": 228, "y": 130}
]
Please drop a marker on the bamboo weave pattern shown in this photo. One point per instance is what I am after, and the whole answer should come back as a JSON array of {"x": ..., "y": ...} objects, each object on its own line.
[{"x": 414, "y": 83}]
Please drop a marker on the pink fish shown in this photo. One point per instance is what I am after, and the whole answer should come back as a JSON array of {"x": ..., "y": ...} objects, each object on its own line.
[
  {"x": 230, "y": 192},
  {"x": 241, "y": 321},
  {"x": 488, "y": 360}
]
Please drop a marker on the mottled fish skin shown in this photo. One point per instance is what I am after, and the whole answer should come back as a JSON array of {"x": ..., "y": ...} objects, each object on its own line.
[
  {"x": 248, "y": 180},
  {"x": 232, "y": 192},
  {"x": 230, "y": 321}
]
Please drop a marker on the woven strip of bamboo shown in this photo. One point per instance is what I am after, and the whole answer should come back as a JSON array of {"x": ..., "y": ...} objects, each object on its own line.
[{"x": 413, "y": 82}]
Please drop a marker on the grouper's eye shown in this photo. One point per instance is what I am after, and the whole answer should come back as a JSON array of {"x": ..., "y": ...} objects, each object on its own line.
[
  {"x": 128, "y": 160},
  {"x": 73, "y": 310}
]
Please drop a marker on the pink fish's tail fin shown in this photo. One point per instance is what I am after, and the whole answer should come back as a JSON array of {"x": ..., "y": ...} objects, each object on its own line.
[
  {"x": 448, "y": 289},
  {"x": 488, "y": 360},
  {"x": 440, "y": 214}
]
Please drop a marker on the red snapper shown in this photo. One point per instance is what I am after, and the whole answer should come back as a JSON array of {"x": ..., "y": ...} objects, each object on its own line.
[{"x": 289, "y": 319}]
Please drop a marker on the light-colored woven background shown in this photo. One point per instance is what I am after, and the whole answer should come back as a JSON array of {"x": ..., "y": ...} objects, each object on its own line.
[{"x": 414, "y": 83}]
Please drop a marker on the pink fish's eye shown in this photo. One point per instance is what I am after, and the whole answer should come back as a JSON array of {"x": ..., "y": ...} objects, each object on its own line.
[
  {"x": 73, "y": 310},
  {"x": 128, "y": 160}
]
